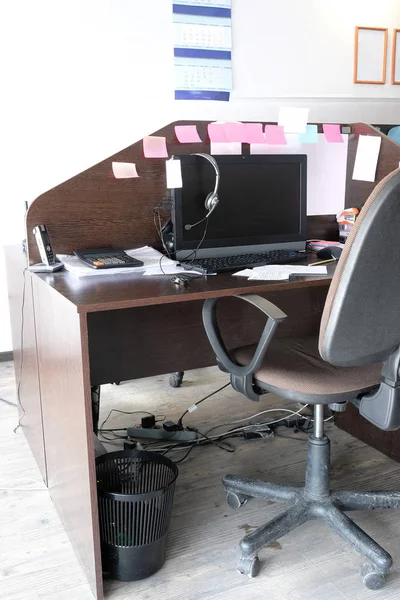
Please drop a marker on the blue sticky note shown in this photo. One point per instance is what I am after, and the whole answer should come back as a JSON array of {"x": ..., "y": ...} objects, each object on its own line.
[
  {"x": 310, "y": 136},
  {"x": 394, "y": 134}
]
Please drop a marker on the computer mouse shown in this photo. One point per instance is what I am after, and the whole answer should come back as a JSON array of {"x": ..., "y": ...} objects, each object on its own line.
[
  {"x": 180, "y": 279},
  {"x": 330, "y": 252}
]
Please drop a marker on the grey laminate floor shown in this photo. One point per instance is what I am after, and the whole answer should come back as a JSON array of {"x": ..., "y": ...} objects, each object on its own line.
[{"x": 36, "y": 560}]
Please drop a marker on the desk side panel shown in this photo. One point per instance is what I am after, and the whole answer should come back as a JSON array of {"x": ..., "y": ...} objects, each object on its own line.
[
  {"x": 64, "y": 379},
  {"x": 387, "y": 442},
  {"x": 151, "y": 340},
  {"x": 23, "y": 330}
]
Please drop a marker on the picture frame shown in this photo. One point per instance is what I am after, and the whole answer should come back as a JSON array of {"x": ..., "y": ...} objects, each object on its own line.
[
  {"x": 396, "y": 57},
  {"x": 370, "y": 55}
]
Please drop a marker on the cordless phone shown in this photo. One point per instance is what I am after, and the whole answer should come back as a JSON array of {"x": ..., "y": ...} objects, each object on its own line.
[
  {"x": 43, "y": 241},
  {"x": 49, "y": 262}
]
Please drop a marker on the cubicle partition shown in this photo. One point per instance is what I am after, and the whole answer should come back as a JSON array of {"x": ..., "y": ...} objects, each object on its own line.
[
  {"x": 94, "y": 208},
  {"x": 82, "y": 333}
]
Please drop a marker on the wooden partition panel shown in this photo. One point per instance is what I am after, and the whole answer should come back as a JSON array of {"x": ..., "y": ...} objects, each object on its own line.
[
  {"x": 357, "y": 192},
  {"x": 94, "y": 209},
  {"x": 67, "y": 421},
  {"x": 151, "y": 340},
  {"x": 25, "y": 353}
]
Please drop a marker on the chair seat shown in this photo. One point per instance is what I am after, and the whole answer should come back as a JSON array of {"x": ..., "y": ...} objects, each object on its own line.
[{"x": 294, "y": 364}]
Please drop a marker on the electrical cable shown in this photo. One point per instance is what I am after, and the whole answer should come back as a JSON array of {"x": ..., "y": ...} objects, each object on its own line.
[
  {"x": 22, "y": 354},
  {"x": 268, "y": 410},
  {"x": 8, "y": 402},
  {"x": 191, "y": 408},
  {"x": 124, "y": 412},
  {"x": 157, "y": 216}
]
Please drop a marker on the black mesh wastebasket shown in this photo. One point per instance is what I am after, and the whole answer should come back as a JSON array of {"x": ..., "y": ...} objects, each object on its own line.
[{"x": 135, "y": 493}]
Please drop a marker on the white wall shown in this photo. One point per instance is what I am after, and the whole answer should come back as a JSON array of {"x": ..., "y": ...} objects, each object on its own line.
[{"x": 86, "y": 78}]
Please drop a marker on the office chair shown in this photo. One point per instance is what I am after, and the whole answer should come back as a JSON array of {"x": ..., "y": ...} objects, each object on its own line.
[{"x": 355, "y": 359}]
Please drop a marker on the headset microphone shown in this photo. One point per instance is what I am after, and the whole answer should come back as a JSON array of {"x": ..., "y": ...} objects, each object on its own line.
[{"x": 212, "y": 199}]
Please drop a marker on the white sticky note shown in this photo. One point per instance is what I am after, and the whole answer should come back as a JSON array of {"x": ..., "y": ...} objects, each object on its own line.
[
  {"x": 367, "y": 155},
  {"x": 292, "y": 119},
  {"x": 269, "y": 276},
  {"x": 174, "y": 173},
  {"x": 124, "y": 170},
  {"x": 225, "y": 148}
]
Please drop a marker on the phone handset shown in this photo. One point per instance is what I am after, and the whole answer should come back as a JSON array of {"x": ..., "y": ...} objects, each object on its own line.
[
  {"x": 44, "y": 245},
  {"x": 49, "y": 262}
]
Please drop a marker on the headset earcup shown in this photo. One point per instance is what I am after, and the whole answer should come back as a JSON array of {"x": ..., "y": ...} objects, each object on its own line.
[{"x": 211, "y": 201}]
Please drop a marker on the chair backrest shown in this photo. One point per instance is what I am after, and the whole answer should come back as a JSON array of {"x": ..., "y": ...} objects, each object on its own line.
[{"x": 360, "y": 324}]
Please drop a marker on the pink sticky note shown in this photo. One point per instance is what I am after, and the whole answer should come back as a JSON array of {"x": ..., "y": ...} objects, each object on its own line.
[
  {"x": 235, "y": 132},
  {"x": 187, "y": 134},
  {"x": 216, "y": 132},
  {"x": 332, "y": 133},
  {"x": 274, "y": 135},
  {"x": 254, "y": 133},
  {"x": 123, "y": 170},
  {"x": 155, "y": 147}
]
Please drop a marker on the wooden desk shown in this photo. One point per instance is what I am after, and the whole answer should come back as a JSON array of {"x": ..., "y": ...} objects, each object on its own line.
[
  {"x": 93, "y": 331},
  {"x": 79, "y": 333}
]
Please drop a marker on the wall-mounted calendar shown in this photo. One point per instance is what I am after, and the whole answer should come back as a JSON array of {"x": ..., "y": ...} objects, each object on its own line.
[{"x": 202, "y": 49}]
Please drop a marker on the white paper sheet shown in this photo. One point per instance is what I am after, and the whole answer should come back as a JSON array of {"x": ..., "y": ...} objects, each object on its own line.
[
  {"x": 269, "y": 276},
  {"x": 367, "y": 156},
  {"x": 326, "y": 172},
  {"x": 292, "y": 119},
  {"x": 225, "y": 148},
  {"x": 280, "y": 272},
  {"x": 174, "y": 173},
  {"x": 244, "y": 273},
  {"x": 293, "y": 269}
]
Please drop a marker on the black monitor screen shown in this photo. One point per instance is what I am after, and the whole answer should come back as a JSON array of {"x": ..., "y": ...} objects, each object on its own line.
[{"x": 262, "y": 199}]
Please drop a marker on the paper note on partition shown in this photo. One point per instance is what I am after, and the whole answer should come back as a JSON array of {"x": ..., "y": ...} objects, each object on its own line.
[
  {"x": 155, "y": 147},
  {"x": 310, "y": 136},
  {"x": 225, "y": 148},
  {"x": 292, "y": 119},
  {"x": 123, "y": 170},
  {"x": 174, "y": 173},
  {"x": 274, "y": 135},
  {"x": 253, "y": 133},
  {"x": 234, "y": 132},
  {"x": 326, "y": 172},
  {"x": 187, "y": 134},
  {"x": 394, "y": 134},
  {"x": 216, "y": 132},
  {"x": 367, "y": 155},
  {"x": 332, "y": 133}
]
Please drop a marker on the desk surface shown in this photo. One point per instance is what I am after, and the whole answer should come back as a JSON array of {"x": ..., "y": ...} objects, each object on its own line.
[{"x": 110, "y": 292}]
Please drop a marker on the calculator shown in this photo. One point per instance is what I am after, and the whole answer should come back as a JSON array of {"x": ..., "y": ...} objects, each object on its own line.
[{"x": 107, "y": 258}]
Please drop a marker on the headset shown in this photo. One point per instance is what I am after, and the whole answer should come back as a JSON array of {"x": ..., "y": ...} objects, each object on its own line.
[{"x": 212, "y": 198}]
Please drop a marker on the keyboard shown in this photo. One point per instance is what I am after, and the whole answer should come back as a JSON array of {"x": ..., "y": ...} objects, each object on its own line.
[{"x": 222, "y": 264}]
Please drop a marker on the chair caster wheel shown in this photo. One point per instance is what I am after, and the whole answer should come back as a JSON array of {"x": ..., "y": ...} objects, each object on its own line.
[
  {"x": 248, "y": 566},
  {"x": 236, "y": 500},
  {"x": 372, "y": 579},
  {"x": 175, "y": 379}
]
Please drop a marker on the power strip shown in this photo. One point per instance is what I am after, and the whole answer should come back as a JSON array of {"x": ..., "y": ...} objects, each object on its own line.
[{"x": 159, "y": 433}]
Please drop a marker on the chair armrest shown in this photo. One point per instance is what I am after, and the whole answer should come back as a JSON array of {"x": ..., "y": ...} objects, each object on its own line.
[{"x": 275, "y": 316}]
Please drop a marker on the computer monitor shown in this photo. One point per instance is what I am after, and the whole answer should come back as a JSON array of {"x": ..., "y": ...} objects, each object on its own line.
[{"x": 262, "y": 205}]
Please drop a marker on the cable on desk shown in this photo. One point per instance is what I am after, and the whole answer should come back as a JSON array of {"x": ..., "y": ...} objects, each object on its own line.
[
  {"x": 159, "y": 228},
  {"x": 22, "y": 354}
]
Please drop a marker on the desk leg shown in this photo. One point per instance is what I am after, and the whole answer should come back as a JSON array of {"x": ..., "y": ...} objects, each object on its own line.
[{"x": 63, "y": 359}]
